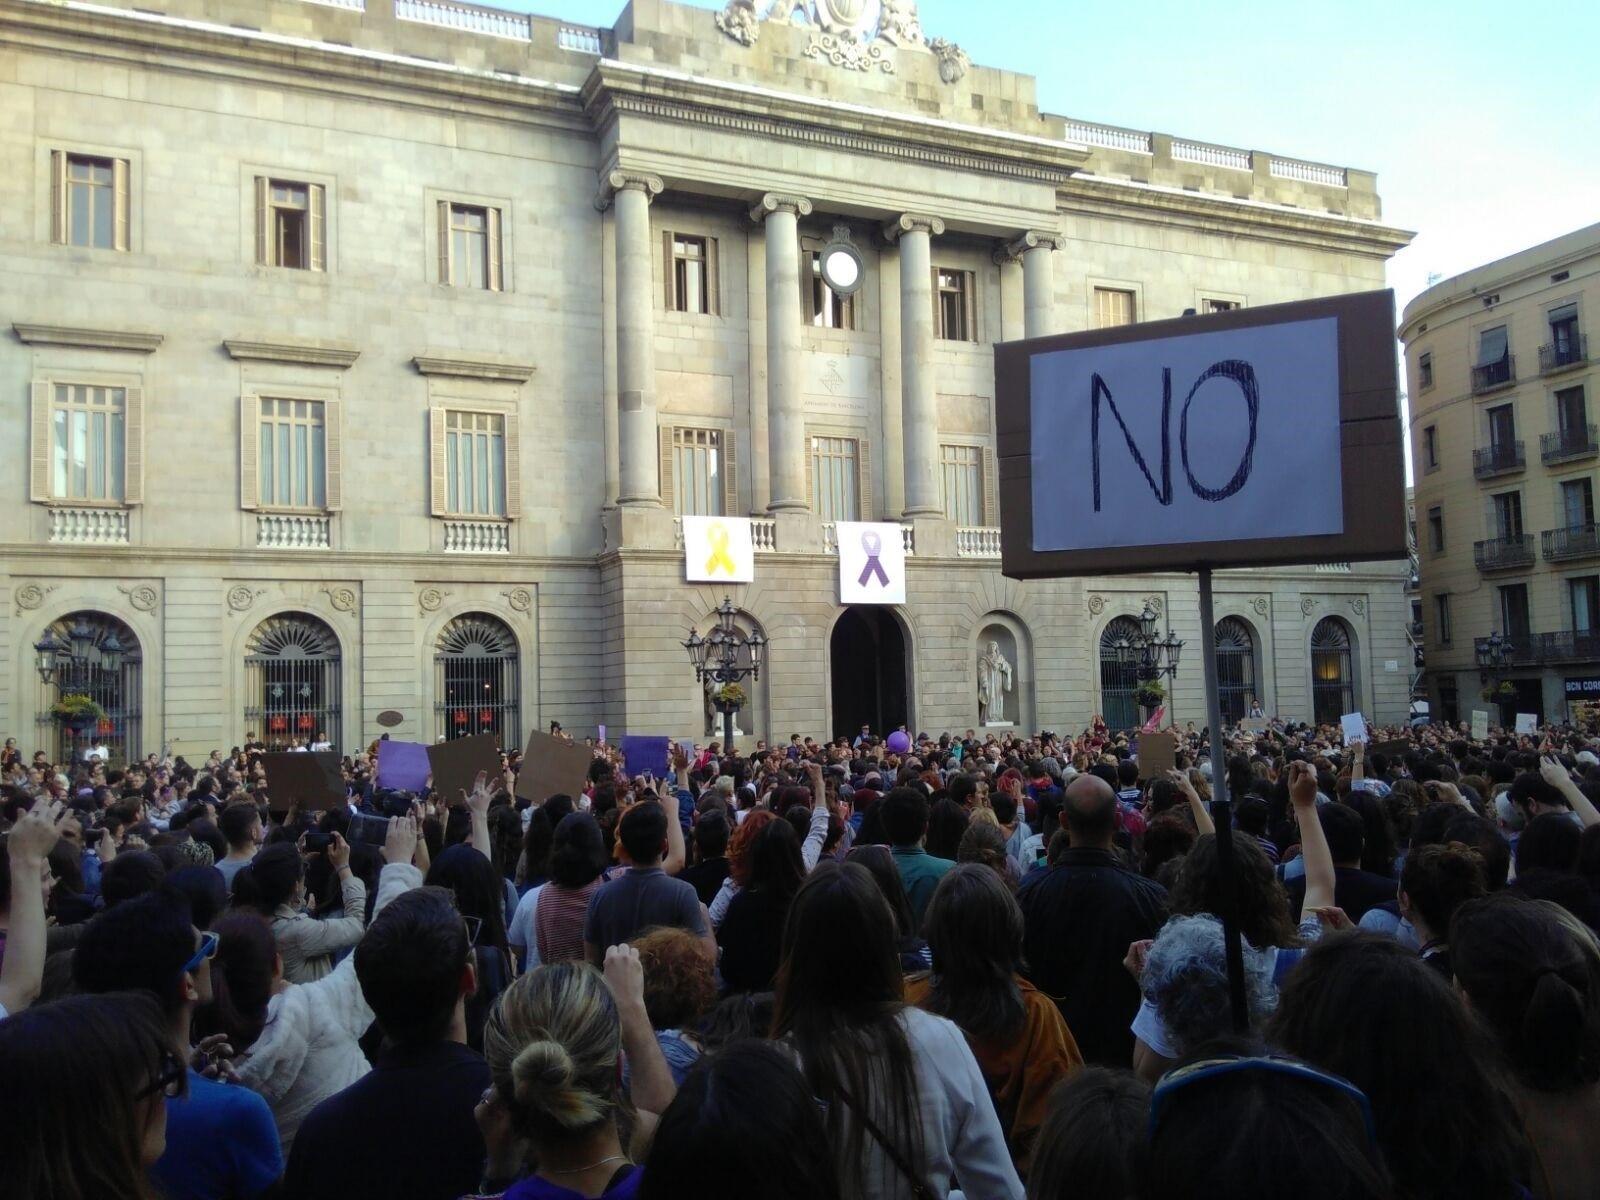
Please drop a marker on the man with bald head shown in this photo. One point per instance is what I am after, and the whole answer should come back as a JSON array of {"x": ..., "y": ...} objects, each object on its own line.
[{"x": 1080, "y": 915}]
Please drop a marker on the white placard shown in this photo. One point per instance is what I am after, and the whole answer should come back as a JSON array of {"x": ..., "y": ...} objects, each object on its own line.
[
  {"x": 718, "y": 550},
  {"x": 1217, "y": 436},
  {"x": 872, "y": 563},
  {"x": 1480, "y": 725},
  {"x": 1391, "y": 664},
  {"x": 1527, "y": 723},
  {"x": 1354, "y": 726}
]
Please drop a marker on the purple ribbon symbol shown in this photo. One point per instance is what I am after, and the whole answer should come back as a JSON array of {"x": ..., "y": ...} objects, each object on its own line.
[{"x": 873, "y": 545}]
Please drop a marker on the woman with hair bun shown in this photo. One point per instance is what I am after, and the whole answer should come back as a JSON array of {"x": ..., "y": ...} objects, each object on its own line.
[
  {"x": 1436, "y": 881},
  {"x": 1532, "y": 972},
  {"x": 554, "y": 1044}
]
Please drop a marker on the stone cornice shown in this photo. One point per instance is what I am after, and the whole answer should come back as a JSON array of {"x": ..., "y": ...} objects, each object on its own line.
[
  {"x": 474, "y": 366},
  {"x": 618, "y": 88},
  {"x": 308, "y": 352},
  {"x": 772, "y": 202},
  {"x": 912, "y": 223},
  {"x": 88, "y": 339}
]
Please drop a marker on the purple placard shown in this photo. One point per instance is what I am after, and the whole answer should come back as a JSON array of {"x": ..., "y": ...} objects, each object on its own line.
[
  {"x": 403, "y": 766},
  {"x": 647, "y": 755}
]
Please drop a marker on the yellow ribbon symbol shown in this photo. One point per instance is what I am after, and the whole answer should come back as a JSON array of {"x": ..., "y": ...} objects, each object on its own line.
[{"x": 719, "y": 537}]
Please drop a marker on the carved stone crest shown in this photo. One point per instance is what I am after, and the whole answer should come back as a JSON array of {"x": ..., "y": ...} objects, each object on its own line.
[
  {"x": 430, "y": 598},
  {"x": 241, "y": 597},
  {"x": 740, "y": 22},
  {"x": 520, "y": 598},
  {"x": 1097, "y": 605},
  {"x": 342, "y": 598},
  {"x": 1260, "y": 605},
  {"x": 142, "y": 596},
  {"x": 1306, "y": 605},
  {"x": 952, "y": 59},
  {"x": 857, "y": 35},
  {"x": 31, "y": 595},
  {"x": 1153, "y": 603},
  {"x": 1359, "y": 606}
]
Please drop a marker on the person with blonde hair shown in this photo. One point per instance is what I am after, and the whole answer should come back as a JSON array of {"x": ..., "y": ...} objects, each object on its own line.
[{"x": 556, "y": 1113}]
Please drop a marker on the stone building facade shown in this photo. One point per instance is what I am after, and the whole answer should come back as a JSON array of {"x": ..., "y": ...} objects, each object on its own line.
[
  {"x": 1503, "y": 436},
  {"x": 366, "y": 351}
]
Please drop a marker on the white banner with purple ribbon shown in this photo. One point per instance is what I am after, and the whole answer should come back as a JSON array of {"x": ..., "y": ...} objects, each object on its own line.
[{"x": 872, "y": 563}]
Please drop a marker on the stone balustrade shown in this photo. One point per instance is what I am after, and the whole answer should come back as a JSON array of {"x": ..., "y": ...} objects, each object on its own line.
[
  {"x": 977, "y": 541},
  {"x": 89, "y": 526},
  {"x": 293, "y": 531},
  {"x": 470, "y": 18},
  {"x": 477, "y": 537}
]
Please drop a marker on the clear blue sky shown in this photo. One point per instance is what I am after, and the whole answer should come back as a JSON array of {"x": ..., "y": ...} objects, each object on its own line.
[{"x": 1482, "y": 119}]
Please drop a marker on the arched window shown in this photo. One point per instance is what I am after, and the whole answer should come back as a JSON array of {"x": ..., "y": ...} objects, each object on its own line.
[
  {"x": 106, "y": 664},
  {"x": 292, "y": 682},
  {"x": 1333, "y": 685},
  {"x": 1236, "y": 669},
  {"x": 1119, "y": 681},
  {"x": 476, "y": 681}
]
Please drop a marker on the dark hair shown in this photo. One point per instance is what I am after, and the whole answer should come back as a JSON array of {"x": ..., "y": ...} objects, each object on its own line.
[
  {"x": 947, "y": 821},
  {"x": 577, "y": 851},
  {"x": 1167, "y": 837},
  {"x": 1364, "y": 1007},
  {"x": 505, "y": 839},
  {"x": 1342, "y": 826},
  {"x": 1004, "y": 805},
  {"x": 478, "y": 888},
  {"x": 1378, "y": 849},
  {"x": 1481, "y": 835},
  {"x": 236, "y": 820},
  {"x": 71, "y": 1066},
  {"x": 1094, "y": 1137},
  {"x": 740, "y": 1017},
  {"x": 1530, "y": 788},
  {"x": 711, "y": 834},
  {"x": 718, "y": 1131},
  {"x": 775, "y": 862},
  {"x": 205, "y": 889},
  {"x": 241, "y": 979},
  {"x": 130, "y": 874},
  {"x": 879, "y": 860},
  {"x": 409, "y": 963},
  {"x": 269, "y": 879},
  {"x": 1263, "y": 905},
  {"x": 642, "y": 831},
  {"x": 1535, "y": 980},
  {"x": 905, "y": 815},
  {"x": 536, "y": 844},
  {"x": 974, "y": 929},
  {"x": 1437, "y": 880},
  {"x": 1550, "y": 842},
  {"x": 141, "y": 945},
  {"x": 1089, "y": 812},
  {"x": 961, "y": 788},
  {"x": 839, "y": 1000}
]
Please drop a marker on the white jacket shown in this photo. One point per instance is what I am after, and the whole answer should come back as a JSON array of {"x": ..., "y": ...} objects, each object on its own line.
[{"x": 308, "y": 1048}]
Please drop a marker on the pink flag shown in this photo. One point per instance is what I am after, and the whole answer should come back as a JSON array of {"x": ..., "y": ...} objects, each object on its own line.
[{"x": 1154, "y": 723}]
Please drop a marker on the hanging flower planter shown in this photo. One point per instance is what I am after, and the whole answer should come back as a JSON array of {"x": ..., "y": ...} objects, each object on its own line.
[
  {"x": 77, "y": 712},
  {"x": 729, "y": 697},
  {"x": 1150, "y": 694}
]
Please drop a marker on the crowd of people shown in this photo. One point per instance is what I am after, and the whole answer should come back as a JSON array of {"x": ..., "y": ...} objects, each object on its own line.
[{"x": 968, "y": 966}]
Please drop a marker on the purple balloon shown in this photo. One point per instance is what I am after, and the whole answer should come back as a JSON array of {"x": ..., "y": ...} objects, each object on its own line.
[{"x": 899, "y": 741}]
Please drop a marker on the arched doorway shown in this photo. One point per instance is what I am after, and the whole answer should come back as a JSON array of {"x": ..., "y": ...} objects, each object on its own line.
[
  {"x": 476, "y": 675},
  {"x": 867, "y": 655},
  {"x": 109, "y": 670},
  {"x": 292, "y": 682},
  {"x": 1236, "y": 669},
  {"x": 1333, "y": 684},
  {"x": 1119, "y": 681}
]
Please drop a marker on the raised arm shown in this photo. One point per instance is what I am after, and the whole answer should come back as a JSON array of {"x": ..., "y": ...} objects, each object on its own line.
[
  {"x": 1313, "y": 842},
  {"x": 478, "y": 806},
  {"x": 651, "y": 1085},
  {"x": 1555, "y": 774},
  {"x": 677, "y": 854},
  {"x": 32, "y": 838},
  {"x": 1202, "y": 815}
]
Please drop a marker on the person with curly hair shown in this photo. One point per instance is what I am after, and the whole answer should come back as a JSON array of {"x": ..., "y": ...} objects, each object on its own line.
[{"x": 680, "y": 988}]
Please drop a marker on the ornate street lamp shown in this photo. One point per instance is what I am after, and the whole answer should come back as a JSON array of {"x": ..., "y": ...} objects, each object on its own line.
[
  {"x": 1151, "y": 656},
  {"x": 76, "y": 665},
  {"x": 52, "y": 651},
  {"x": 726, "y": 655}
]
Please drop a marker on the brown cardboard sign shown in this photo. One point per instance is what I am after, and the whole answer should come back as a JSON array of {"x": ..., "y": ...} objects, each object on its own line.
[
  {"x": 305, "y": 779},
  {"x": 551, "y": 765},
  {"x": 1260, "y": 436},
  {"x": 1397, "y": 748},
  {"x": 455, "y": 764},
  {"x": 1158, "y": 754}
]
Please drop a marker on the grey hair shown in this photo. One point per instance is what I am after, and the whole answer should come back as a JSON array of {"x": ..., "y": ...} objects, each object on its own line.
[
  {"x": 1186, "y": 980},
  {"x": 724, "y": 785}
]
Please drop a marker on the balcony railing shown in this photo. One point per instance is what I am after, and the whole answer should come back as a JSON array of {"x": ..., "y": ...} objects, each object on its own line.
[
  {"x": 290, "y": 531},
  {"x": 830, "y": 538},
  {"x": 1573, "y": 353},
  {"x": 977, "y": 541},
  {"x": 1503, "y": 554},
  {"x": 89, "y": 526},
  {"x": 469, "y": 18},
  {"x": 477, "y": 537},
  {"x": 1498, "y": 459},
  {"x": 1414, "y": 628},
  {"x": 1494, "y": 375},
  {"x": 763, "y": 534},
  {"x": 1567, "y": 444},
  {"x": 1565, "y": 646},
  {"x": 1574, "y": 541}
]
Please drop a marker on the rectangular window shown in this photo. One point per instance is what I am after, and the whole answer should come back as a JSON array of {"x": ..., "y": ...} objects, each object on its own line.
[
  {"x": 1502, "y": 428},
  {"x": 962, "y": 472},
  {"x": 1425, "y": 370},
  {"x": 1564, "y": 333},
  {"x": 1441, "y": 610},
  {"x": 1577, "y": 503},
  {"x": 87, "y": 453},
  {"x": 1436, "y": 530},
  {"x": 290, "y": 224},
  {"x": 475, "y": 463},
  {"x": 292, "y": 454},
  {"x": 835, "y": 478},
  {"x": 1430, "y": 447},
  {"x": 953, "y": 311},
  {"x": 1584, "y": 595},
  {"x": 1493, "y": 346},
  {"x": 470, "y": 247},
  {"x": 1113, "y": 307},
  {"x": 90, "y": 197},
  {"x": 1508, "y": 515},
  {"x": 829, "y": 310},
  {"x": 1210, "y": 305},
  {"x": 697, "y": 472},
  {"x": 1572, "y": 415},
  {"x": 1514, "y": 613},
  {"x": 691, "y": 273}
]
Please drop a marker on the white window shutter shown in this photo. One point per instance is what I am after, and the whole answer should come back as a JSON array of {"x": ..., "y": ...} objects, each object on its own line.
[
  {"x": 730, "y": 475},
  {"x": 669, "y": 270},
  {"x": 249, "y": 450},
  {"x": 811, "y": 474},
  {"x": 39, "y": 445},
  {"x": 665, "y": 441},
  {"x": 713, "y": 279},
  {"x": 333, "y": 439},
  {"x": 864, "y": 478},
  {"x": 133, "y": 445},
  {"x": 970, "y": 308},
  {"x": 444, "y": 242},
  {"x": 496, "y": 271},
  {"x": 317, "y": 199},
  {"x": 991, "y": 490},
  {"x": 438, "y": 473},
  {"x": 513, "y": 466},
  {"x": 58, "y": 197},
  {"x": 266, "y": 252},
  {"x": 119, "y": 182}
]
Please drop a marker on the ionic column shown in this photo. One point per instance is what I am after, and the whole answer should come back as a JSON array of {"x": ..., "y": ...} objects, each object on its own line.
[
  {"x": 1038, "y": 287},
  {"x": 786, "y": 425},
  {"x": 919, "y": 406},
  {"x": 639, "y": 481}
]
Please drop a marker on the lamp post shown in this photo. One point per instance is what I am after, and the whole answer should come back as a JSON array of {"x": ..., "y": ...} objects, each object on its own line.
[
  {"x": 726, "y": 655},
  {"x": 1494, "y": 655},
  {"x": 1150, "y": 655},
  {"x": 75, "y": 664}
]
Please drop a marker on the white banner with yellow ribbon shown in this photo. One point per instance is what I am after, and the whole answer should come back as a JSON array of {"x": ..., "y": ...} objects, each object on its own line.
[{"x": 718, "y": 550}]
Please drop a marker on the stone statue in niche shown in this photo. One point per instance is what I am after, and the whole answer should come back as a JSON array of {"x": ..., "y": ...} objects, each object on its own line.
[{"x": 994, "y": 680}]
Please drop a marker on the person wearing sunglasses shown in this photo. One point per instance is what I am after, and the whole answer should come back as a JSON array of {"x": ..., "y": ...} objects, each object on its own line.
[{"x": 221, "y": 1140}]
